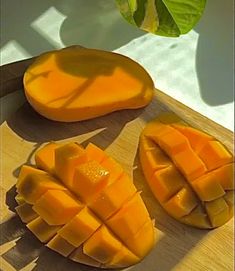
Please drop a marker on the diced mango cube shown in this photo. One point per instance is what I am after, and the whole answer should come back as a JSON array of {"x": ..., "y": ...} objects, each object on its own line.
[
  {"x": 34, "y": 185},
  {"x": 57, "y": 207},
  {"x": 95, "y": 153},
  {"x": 113, "y": 197},
  {"x": 189, "y": 164},
  {"x": 60, "y": 245},
  {"x": 142, "y": 242},
  {"x": 67, "y": 158},
  {"x": 80, "y": 227},
  {"x": 26, "y": 171},
  {"x": 147, "y": 143},
  {"x": 26, "y": 212},
  {"x": 225, "y": 176},
  {"x": 166, "y": 182},
  {"x": 218, "y": 212},
  {"x": 198, "y": 217},
  {"x": 43, "y": 231},
  {"x": 214, "y": 155},
  {"x": 79, "y": 256},
  {"x": 196, "y": 137},
  {"x": 123, "y": 258},
  {"x": 182, "y": 203},
  {"x": 45, "y": 157},
  {"x": 89, "y": 179},
  {"x": 173, "y": 142},
  {"x": 19, "y": 199},
  {"x": 102, "y": 246},
  {"x": 124, "y": 223},
  {"x": 114, "y": 169},
  {"x": 153, "y": 160},
  {"x": 229, "y": 198},
  {"x": 208, "y": 187}
]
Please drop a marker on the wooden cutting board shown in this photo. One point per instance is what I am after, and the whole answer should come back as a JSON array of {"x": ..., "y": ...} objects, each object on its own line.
[{"x": 179, "y": 247}]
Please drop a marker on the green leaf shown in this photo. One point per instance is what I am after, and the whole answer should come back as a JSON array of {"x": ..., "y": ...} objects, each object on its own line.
[{"x": 162, "y": 17}]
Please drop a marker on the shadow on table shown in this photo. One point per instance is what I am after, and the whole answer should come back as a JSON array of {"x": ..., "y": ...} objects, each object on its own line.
[{"x": 215, "y": 56}]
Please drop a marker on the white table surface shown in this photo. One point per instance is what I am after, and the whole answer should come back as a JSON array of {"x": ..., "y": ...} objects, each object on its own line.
[{"x": 196, "y": 69}]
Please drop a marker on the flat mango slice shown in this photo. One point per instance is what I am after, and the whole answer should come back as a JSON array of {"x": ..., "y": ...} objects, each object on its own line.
[
  {"x": 85, "y": 83},
  {"x": 195, "y": 183},
  {"x": 94, "y": 216}
]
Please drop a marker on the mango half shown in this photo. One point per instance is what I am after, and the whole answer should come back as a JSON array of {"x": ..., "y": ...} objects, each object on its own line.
[
  {"x": 189, "y": 172},
  {"x": 75, "y": 84},
  {"x": 81, "y": 204}
]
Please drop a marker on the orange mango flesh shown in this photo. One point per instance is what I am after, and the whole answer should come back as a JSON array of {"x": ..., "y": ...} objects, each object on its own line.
[
  {"x": 88, "y": 216},
  {"x": 194, "y": 182},
  {"x": 76, "y": 84}
]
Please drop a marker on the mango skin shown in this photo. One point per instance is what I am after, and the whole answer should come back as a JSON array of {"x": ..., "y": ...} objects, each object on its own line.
[
  {"x": 190, "y": 173},
  {"x": 83, "y": 206},
  {"x": 76, "y": 84}
]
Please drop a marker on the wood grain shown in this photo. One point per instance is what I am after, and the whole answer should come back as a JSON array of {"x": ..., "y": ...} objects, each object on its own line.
[{"x": 179, "y": 247}]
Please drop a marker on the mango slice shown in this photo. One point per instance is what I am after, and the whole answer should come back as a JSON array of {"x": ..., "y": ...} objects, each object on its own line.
[
  {"x": 85, "y": 206},
  {"x": 85, "y": 83},
  {"x": 189, "y": 172}
]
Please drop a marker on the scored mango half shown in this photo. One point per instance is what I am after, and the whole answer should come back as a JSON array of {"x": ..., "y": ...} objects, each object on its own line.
[
  {"x": 81, "y": 204},
  {"x": 189, "y": 172}
]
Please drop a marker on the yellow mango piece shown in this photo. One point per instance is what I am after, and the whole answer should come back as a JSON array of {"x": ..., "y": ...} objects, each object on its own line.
[
  {"x": 43, "y": 231},
  {"x": 147, "y": 143},
  {"x": 153, "y": 160},
  {"x": 57, "y": 207},
  {"x": 26, "y": 212},
  {"x": 166, "y": 182},
  {"x": 67, "y": 158},
  {"x": 79, "y": 256},
  {"x": 173, "y": 142},
  {"x": 89, "y": 179},
  {"x": 124, "y": 223},
  {"x": 123, "y": 258},
  {"x": 229, "y": 198},
  {"x": 114, "y": 169},
  {"x": 218, "y": 211},
  {"x": 201, "y": 195},
  {"x": 225, "y": 176},
  {"x": 102, "y": 246},
  {"x": 75, "y": 84},
  {"x": 34, "y": 185},
  {"x": 198, "y": 217},
  {"x": 95, "y": 153},
  {"x": 182, "y": 203},
  {"x": 214, "y": 155},
  {"x": 142, "y": 242},
  {"x": 19, "y": 199},
  {"x": 113, "y": 197},
  {"x": 189, "y": 164},
  {"x": 26, "y": 171},
  {"x": 86, "y": 222},
  {"x": 208, "y": 187},
  {"x": 60, "y": 245},
  {"x": 94, "y": 216},
  {"x": 45, "y": 157},
  {"x": 197, "y": 138}
]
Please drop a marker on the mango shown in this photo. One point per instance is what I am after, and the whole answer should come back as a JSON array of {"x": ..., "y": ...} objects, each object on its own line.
[
  {"x": 189, "y": 172},
  {"x": 76, "y": 84},
  {"x": 81, "y": 205}
]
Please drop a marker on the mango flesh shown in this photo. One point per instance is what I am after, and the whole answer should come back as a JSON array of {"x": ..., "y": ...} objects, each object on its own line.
[
  {"x": 189, "y": 172},
  {"x": 85, "y": 210},
  {"x": 85, "y": 83}
]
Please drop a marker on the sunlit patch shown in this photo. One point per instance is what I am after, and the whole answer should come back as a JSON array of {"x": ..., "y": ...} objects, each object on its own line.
[
  {"x": 12, "y": 51},
  {"x": 48, "y": 25}
]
